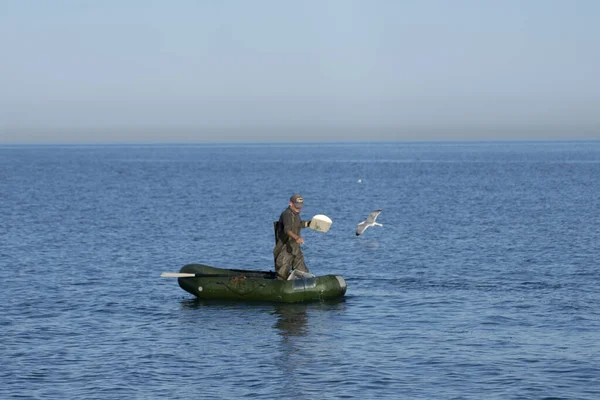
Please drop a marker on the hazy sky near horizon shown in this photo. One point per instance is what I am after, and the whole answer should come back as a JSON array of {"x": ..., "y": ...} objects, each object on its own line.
[{"x": 277, "y": 70}]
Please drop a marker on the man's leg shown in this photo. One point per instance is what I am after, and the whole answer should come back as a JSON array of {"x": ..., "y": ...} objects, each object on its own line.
[
  {"x": 298, "y": 261},
  {"x": 283, "y": 262}
]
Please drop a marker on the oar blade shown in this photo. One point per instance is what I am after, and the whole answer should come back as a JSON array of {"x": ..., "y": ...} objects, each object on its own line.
[{"x": 177, "y": 275}]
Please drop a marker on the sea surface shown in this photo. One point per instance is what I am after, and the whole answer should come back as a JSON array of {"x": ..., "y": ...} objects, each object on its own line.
[{"x": 481, "y": 284}]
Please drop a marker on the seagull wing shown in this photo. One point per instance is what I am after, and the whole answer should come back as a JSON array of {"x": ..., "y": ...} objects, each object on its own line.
[
  {"x": 373, "y": 216},
  {"x": 361, "y": 227}
]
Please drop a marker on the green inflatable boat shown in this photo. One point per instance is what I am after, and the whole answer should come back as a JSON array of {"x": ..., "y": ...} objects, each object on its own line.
[{"x": 236, "y": 284}]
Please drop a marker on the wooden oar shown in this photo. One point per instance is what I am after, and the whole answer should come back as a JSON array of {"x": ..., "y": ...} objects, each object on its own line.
[
  {"x": 179, "y": 275},
  {"x": 197, "y": 275},
  {"x": 253, "y": 274}
]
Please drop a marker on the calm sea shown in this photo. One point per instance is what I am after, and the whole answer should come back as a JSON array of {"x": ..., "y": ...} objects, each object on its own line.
[{"x": 481, "y": 284}]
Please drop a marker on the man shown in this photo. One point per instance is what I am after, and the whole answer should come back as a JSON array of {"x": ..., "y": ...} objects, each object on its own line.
[{"x": 288, "y": 254}]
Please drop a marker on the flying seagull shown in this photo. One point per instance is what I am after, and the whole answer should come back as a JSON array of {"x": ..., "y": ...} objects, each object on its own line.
[{"x": 369, "y": 222}]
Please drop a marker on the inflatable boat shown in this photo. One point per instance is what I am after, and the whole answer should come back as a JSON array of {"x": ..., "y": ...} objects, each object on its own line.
[{"x": 212, "y": 283}]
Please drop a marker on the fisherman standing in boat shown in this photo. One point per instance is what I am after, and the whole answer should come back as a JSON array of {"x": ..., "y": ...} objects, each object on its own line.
[{"x": 288, "y": 254}]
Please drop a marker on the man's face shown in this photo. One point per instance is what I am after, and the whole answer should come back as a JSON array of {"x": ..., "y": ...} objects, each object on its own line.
[{"x": 296, "y": 209}]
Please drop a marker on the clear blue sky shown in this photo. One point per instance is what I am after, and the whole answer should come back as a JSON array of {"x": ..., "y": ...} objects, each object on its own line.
[{"x": 220, "y": 70}]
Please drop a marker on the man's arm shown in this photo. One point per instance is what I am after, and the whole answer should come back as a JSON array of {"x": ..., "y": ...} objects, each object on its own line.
[
  {"x": 291, "y": 234},
  {"x": 287, "y": 228}
]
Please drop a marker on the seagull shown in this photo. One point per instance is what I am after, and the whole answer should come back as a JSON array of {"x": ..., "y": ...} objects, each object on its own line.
[{"x": 369, "y": 222}]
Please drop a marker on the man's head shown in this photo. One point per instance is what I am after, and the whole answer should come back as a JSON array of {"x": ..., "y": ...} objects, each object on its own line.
[{"x": 297, "y": 201}]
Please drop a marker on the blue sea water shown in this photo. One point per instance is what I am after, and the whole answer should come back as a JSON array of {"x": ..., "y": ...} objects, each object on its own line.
[{"x": 481, "y": 284}]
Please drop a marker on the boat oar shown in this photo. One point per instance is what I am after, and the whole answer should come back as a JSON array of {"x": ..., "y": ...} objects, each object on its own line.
[
  {"x": 178, "y": 275},
  {"x": 188, "y": 275},
  {"x": 201, "y": 275}
]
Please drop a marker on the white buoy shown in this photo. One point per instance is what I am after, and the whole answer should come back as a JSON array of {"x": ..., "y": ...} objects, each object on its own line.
[{"x": 320, "y": 223}]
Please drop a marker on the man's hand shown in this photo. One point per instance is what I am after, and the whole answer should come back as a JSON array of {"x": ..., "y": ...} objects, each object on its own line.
[{"x": 300, "y": 240}]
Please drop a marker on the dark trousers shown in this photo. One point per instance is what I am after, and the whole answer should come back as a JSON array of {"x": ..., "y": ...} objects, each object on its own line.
[{"x": 287, "y": 257}]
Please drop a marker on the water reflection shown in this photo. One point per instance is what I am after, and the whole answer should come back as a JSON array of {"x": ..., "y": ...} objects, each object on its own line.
[
  {"x": 291, "y": 319},
  {"x": 300, "y": 327}
]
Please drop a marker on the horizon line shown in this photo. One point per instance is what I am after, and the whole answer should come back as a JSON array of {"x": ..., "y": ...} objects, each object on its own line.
[{"x": 308, "y": 142}]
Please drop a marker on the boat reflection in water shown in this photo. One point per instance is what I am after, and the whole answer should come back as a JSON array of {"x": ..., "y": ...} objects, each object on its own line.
[
  {"x": 299, "y": 319},
  {"x": 291, "y": 319}
]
